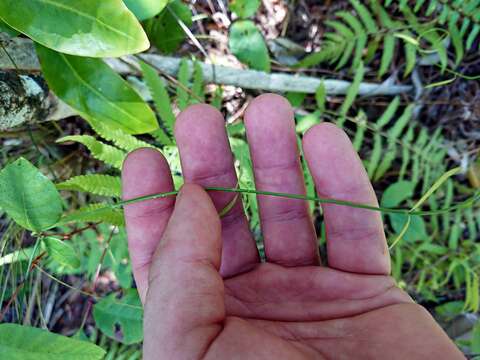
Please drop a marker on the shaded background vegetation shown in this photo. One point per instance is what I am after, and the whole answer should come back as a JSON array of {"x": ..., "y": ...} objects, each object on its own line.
[{"x": 407, "y": 139}]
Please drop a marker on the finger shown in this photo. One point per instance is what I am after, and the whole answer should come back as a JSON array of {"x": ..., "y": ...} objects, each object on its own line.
[
  {"x": 145, "y": 172},
  {"x": 355, "y": 237},
  {"x": 185, "y": 303},
  {"x": 207, "y": 161},
  {"x": 287, "y": 227}
]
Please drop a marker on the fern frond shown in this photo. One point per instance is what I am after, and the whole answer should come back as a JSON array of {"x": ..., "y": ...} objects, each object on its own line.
[
  {"x": 120, "y": 138},
  {"x": 98, "y": 184},
  {"x": 99, "y": 212},
  {"x": 183, "y": 84},
  {"x": 101, "y": 151},
  {"x": 162, "y": 102},
  {"x": 198, "y": 83}
]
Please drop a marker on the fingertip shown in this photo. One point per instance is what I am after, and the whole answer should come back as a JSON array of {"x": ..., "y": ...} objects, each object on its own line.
[
  {"x": 325, "y": 135},
  {"x": 142, "y": 169},
  {"x": 197, "y": 117},
  {"x": 194, "y": 198},
  {"x": 268, "y": 105}
]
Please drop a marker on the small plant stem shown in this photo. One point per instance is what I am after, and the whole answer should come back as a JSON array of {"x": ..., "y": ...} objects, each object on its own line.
[{"x": 460, "y": 205}]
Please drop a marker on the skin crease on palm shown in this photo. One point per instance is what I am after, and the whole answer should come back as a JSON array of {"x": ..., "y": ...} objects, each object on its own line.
[{"x": 205, "y": 292}]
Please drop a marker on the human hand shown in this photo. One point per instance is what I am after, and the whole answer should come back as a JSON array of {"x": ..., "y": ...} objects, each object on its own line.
[{"x": 206, "y": 294}]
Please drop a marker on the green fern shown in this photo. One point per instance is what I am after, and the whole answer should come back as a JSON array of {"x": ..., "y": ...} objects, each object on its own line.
[
  {"x": 120, "y": 138},
  {"x": 162, "y": 102},
  {"x": 460, "y": 18},
  {"x": 356, "y": 38},
  {"x": 97, "y": 184},
  {"x": 100, "y": 212},
  {"x": 104, "y": 152}
]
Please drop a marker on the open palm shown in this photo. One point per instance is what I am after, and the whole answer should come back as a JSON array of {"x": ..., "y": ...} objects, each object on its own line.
[{"x": 205, "y": 292}]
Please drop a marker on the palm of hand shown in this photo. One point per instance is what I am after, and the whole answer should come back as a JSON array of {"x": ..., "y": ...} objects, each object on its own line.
[{"x": 205, "y": 293}]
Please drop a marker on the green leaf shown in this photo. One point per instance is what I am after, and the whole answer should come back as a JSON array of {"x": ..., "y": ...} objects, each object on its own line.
[
  {"x": 97, "y": 92},
  {"x": 416, "y": 227},
  {"x": 244, "y": 8},
  {"x": 475, "y": 341},
  {"x": 183, "y": 84},
  {"x": 247, "y": 44},
  {"x": 7, "y": 29},
  {"x": 62, "y": 252},
  {"x": 145, "y": 9},
  {"x": 321, "y": 97},
  {"x": 97, "y": 184},
  {"x": 352, "y": 93},
  {"x": 28, "y": 196},
  {"x": 366, "y": 16},
  {"x": 120, "y": 138},
  {"x": 397, "y": 193},
  {"x": 28, "y": 343},
  {"x": 198, "y": 83},
  {"x": 387, "y": 55},
  {"x": 100, "y": 212},
  {"x": 165, "y": 32},
  {"x": 126, "y": 312},
  {"x": 106, "y": 153},
  {"x": 85, "y": 28}
]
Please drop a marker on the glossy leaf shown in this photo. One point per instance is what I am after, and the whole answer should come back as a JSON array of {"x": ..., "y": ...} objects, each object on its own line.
[
  {"x": 85, "y": 28},
  {"x": 247, "y": 44},
  {"x": 125, "y": 312},
  {"x": 28, "y": 196},
  {"x": 145, "y": 9},
  {"x": 62, "y": 252},
  {"x": 7, "y": 29},
  {"x": 28, "y": 343},
  {"x": 244, "y": 8},
  {"x": 165, "y": 32},
  {"x": 97, "y": 92}
]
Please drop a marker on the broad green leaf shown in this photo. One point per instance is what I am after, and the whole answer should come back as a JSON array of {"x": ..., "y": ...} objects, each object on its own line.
[
  {"x": 127, "y": 313},
  {"x": 98, "y": 184},
  {"x": 145, "y": 9},
  {"x": 321, "y": 97},
  {"x": 28, "y": 196},
  {"x": 62, "y": 252},
  {"x": 7, "y": 29},
  {"x": 160, "y": 96},
  {"x": 28, "y": 343},
  {"x": 247, "y": 44},
  {"x": 104, "y": 152},
  {"x": 397, "y": 193},
  {"x": 97, "y": 92},
  {"x": 416, "y": 226},
  {"x": 165, "y": 32},
  {"x": 85, "y": 28},
  {"x": 244, "y": 8}
]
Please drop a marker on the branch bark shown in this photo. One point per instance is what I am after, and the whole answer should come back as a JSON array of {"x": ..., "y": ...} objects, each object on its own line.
[{"x": 22, "y": 102}]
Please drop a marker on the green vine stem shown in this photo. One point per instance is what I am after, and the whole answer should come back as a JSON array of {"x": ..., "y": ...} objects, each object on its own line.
[{"x": 461, "y": 205}]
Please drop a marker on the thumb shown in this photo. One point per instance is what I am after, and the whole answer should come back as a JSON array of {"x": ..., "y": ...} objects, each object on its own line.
[{"x": 184, "y": 308}]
